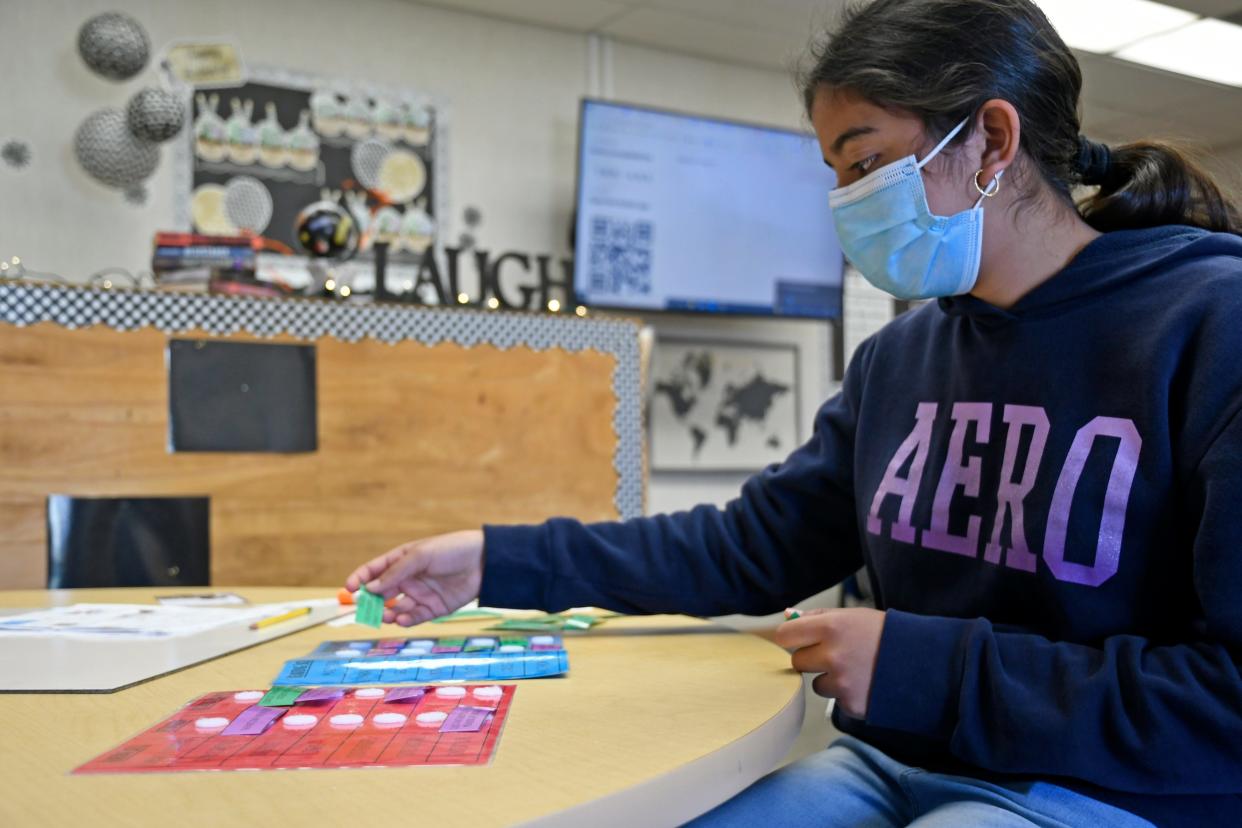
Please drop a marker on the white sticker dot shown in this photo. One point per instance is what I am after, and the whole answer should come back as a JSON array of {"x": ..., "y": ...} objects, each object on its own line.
[
  {"x": 389, "y": 719},
  {"x": 211, "y": 723},
  {"x": 299, "y": 720},
  {"x": 247, "y": 695},
  {"x": 489, "y": 692},
  {"x": 369, "y": 692},
  {"x": 345, "y": 720},
  {"x": 450, "y": 692},
  {"x": 431, "y": 717}
]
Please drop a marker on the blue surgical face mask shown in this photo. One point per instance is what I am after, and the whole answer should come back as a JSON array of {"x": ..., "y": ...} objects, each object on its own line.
[{"x": 890, "y": 234}]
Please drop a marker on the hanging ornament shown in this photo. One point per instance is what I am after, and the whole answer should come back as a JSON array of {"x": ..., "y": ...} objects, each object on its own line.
[
  {"x": 114, "y": 45},
  {"x": 247, "y": 204},
  {"x": 155, "y": 115},
  {"x": 325, "y": 230},
  {"x": 110, "y": 153},
  {"x": 15, "y": 154},
  {"x": 366, "y": 158}
]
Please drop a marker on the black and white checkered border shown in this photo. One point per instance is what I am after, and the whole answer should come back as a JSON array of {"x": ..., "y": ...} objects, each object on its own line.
[{"x": 24, "y": 304}]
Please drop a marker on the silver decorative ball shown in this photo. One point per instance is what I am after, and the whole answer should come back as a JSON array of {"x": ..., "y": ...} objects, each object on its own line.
[
  {"x": 366, "y": 158},
  {"x": 110, "y": 153},
  {"x": 155, "y": 115},
  {"x": 114, "y": 45},
  {"x": 15, "y": 154},
  {"x": 247, "y": 203}
]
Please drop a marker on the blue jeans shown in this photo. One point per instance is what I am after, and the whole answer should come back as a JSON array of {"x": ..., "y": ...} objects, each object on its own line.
[{"x": 853, "y": 784}]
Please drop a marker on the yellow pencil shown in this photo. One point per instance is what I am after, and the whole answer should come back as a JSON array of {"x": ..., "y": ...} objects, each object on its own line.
[{"x": 276, "y": 619}]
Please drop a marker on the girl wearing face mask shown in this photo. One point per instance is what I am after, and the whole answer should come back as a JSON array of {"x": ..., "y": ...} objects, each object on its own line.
[{"x": 1041, "y": 471}]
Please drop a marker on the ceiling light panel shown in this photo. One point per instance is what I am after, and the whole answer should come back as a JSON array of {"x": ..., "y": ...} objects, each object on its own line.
[{"x": 1105, "y": 26}]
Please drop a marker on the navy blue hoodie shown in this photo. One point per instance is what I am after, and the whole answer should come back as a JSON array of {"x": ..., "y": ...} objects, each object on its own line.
[{"x": 1048, "y": 500}]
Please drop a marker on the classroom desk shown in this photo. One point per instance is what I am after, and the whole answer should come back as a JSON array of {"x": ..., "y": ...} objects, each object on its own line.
[{"x": 659, "y": 719}]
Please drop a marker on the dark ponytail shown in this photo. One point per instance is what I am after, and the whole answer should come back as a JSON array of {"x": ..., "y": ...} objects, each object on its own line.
[
  {"x": 1152, "y": 183},
  {"x": 942, "y": 59}
]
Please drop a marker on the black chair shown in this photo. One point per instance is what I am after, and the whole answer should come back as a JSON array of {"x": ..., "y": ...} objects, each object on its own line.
[{"x": 127, "y": 541}]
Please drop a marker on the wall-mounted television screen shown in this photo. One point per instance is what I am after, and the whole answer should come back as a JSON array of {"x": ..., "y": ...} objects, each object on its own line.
[{"x": 686, "y": 214}]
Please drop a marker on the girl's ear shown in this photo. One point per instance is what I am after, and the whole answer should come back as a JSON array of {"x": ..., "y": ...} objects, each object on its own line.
[{"x": 1001, "y": 128}]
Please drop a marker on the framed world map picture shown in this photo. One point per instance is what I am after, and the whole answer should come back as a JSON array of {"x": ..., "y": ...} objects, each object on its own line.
[{"x": 722, "y": 405}]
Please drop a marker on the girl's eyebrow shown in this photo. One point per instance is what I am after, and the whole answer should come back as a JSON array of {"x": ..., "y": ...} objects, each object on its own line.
[{"x": 849, "y": 135}]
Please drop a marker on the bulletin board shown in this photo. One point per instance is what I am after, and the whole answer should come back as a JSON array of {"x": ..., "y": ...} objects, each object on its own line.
[
  {"x": 256, "y": 154},
  {"x": 430, "y": 420}
]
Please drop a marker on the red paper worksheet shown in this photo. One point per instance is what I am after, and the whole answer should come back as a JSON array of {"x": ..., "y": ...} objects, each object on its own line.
[{"x": 366, "y": 727}]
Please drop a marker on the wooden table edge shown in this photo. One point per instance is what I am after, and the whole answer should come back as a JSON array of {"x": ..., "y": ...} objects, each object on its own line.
[{"x": 695, "y": 787}]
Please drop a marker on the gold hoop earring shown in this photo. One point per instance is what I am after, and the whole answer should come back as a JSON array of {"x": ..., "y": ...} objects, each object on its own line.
[{"x": 992, "y": 189}]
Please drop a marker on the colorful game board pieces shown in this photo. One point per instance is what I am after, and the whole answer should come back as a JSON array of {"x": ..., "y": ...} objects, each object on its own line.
[
  {"x": 431, "y": 668},
  {"x": 449, "y": 645},
  {"x": 253, "y": 721},
  {"x": 388, "y": 647},
  {"x": 388, "y": 727},
  {"x": 281, "y": 696},
  {"x": 370, "y": 609},
  {"x": 427, "y": 660},
  {"x": 319, "y": 695},
  {"x": 406, "y": 695},
  {"x": 464, "y": 719}
]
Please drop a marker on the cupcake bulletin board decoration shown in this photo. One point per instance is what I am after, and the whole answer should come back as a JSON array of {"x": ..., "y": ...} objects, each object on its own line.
[{"x": 259, "y": 152}]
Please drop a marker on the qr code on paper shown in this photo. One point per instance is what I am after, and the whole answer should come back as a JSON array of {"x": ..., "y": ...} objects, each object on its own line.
[{"x": 620, "y": 256}]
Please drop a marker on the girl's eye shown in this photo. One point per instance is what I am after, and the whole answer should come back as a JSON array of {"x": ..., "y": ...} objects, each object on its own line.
[{"x": 864, "y": 166}]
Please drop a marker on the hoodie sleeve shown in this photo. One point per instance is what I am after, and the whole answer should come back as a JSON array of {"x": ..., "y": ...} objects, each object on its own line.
[
  {"x": 792, "y": 532},
  {"x": 1131, "y": 714}
]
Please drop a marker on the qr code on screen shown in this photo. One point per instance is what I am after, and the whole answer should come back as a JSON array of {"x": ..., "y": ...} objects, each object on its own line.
[{"x": 620, "y": 256}]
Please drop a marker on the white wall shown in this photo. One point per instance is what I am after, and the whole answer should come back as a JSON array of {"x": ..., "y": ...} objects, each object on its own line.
[
  {"x": 1226, "y": 164},
  {"x": 513, "y": 92}
]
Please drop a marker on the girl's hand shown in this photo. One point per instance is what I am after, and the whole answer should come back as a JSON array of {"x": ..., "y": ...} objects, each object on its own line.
[
  {"x": 841, "y": 645},
  {"x": 429, "y": 578}
]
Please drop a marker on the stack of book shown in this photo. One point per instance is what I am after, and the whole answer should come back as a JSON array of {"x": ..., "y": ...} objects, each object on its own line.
[{"x": 191, "y": 261}]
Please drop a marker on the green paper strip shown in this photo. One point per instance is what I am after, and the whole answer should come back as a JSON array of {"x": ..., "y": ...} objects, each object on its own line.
[
  {"x": 549, "y": 623},
  {"x": 370, "y": 609},
  {"x": 281, "y": 696},
  {"x": 520, "y": 625},
  {"x": 465, "y": 615}
]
